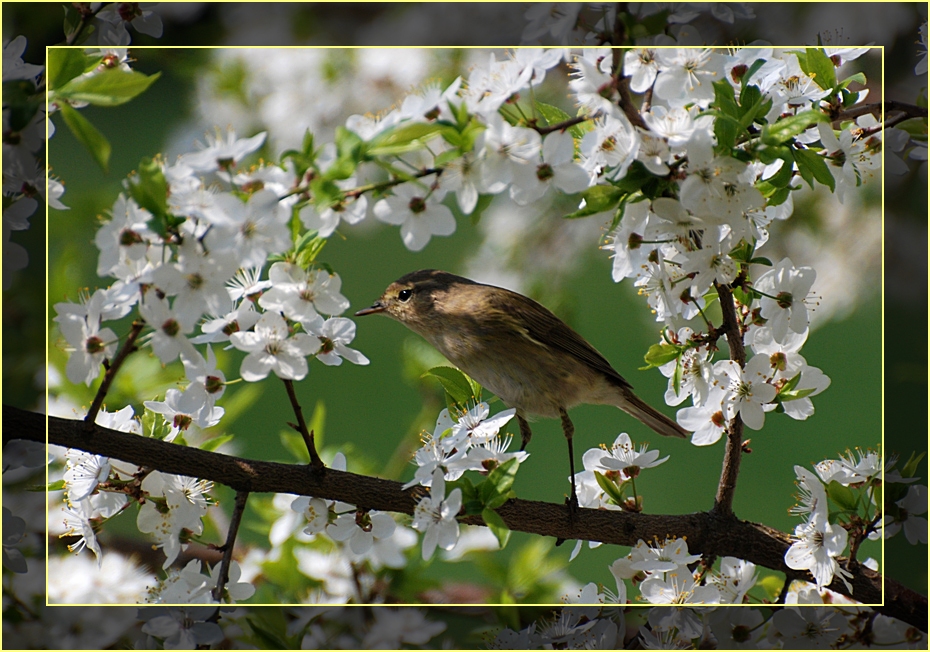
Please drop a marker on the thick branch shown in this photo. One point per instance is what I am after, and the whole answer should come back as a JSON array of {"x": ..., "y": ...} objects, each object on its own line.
[{"x": 706, "y": 532}]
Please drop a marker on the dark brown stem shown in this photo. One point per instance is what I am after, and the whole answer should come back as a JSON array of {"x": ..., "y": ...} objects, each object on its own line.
[
  {"x": 723, "y": 502},
  {"x": 562, "y": 126},
  {"x": 128, "y": 347},
  {"x": 859, "y": 534},
  {"x": 238, "y": 509},
  {"x": 301, "y": 426},
  {"x": 706, "y": 532},
  {"x": 629, "y": 108},
  {"x": 355, "y": 192},
  {"x": 783, "y": 594},
  {"x": 876, "y": 108}
]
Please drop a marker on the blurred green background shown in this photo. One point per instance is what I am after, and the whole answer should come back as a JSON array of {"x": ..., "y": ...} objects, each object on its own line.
[{"x": 375, "y": 413}]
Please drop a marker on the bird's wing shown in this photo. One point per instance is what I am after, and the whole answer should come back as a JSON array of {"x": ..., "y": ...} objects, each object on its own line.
[{"x": 543, "y": 326}]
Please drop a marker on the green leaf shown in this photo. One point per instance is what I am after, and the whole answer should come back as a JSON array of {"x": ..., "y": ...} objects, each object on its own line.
[
  {"x": 269, "y": 638},
  {"x": 742, "y": 296},
  {"x": 58, "y": 485},
  {"x": 793, "y": 396},
  {"x": 308, "y": 248},
  {"x": 787, "y": 128},
  {"x": 597, "y": 199},
  {"x": 910, "y": 469},
  {"x": 350, "y": 151},
  {"x": 154, "y": 425},
  {"x": 654, "y": 23},
  {"x": 610, "y": 487},
  {"x": 849, "y": 98},
  {"x": 752, "y": 70},
  {"x": 86, "y": 134},
  {"x": 780, "y": 196},
  {"x": 317, "y": 422},
  {"x": 878, "y": 490},
  {"x": 553, "y": 115},
  {"x": 111, "y": 87},
  {"x": 769, "y": 154},
  {"x": 916, "y": 127},
  {"x": 216, "y": 442},
  {"x": 454, "y": 382},
  {"x": 325, "y": 193},
  {"x": 783, "y": 177},
  {"x": 819, "y": 66},
  {"x": 149, "y": 188},
  {"x": 464, "y": 138},
  {"x": 858, "y": 77},
  {"x": 792, "y": 383},
  {"x": 725, "y": 99},
  {"x": 844, "y": 497},
  {"x": 469, "y": 493},
  {"x": 812, "y": 165},
  {"x": 447, "y": 157},
  {"x": 294, "y": 444},
  {"x": 660, "y": 354},
  {"x": 726, "y": 129},
  {"x": 752, "y": 105},
  {"x": 64, "y": 64},
  {"x": 743, "y": 252},
  {"x": 772, "y": 585},
  {"x": 496, "y": 488},
  {"x": 677, "y": 377},
  {"x": 405, "y": 138},
  {"x": 22, "y": 101},
  {"x": 497, "y": 526}
]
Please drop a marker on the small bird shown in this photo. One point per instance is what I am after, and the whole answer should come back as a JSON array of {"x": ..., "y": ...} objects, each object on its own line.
[{"x": 516, "y": 348}]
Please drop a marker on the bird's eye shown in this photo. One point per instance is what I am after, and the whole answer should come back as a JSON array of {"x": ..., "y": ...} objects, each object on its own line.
[{"x": 404, "y": 295}]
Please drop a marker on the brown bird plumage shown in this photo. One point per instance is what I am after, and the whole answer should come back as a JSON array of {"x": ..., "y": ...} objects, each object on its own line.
[{"x": 515, "y": 347}]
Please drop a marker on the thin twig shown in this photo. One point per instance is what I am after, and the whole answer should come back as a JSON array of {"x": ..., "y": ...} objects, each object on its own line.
[
  {"x": 562, "y": 126},
  {"x": 723, "y": 502},
  {"x": 238, "y": 509},
  {"x": 128, "y": 347},
  {"x": 301, "y": 426},
  {"x": 876, "y": 108},
  {"x": 783, "y": 594},
  {"x": 383, "y": 185}
]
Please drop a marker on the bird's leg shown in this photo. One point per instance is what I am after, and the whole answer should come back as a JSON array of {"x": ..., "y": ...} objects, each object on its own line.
[
  {"x": 569, "y": 429},
  {"x": 525, "y": 431}
]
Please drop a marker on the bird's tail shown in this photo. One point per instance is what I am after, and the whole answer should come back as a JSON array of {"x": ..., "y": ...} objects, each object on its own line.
[{"x": 635, "y": 406}]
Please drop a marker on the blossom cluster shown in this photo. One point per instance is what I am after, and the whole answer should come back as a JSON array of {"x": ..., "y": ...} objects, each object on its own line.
[
  {"x": 849, "y": 492},
  {"x": 212, "y": 252}
]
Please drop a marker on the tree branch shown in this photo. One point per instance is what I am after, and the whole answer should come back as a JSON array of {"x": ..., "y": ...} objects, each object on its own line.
[
  {"x": 706, "y": 532},
  {"x": 876, "y": 108},
  {"x": 238, "y": 509},
  {"x": 562, "y": 126},
  {"x": 726, "y": 488},
  {"x": 129, "y": 346},
  {"x": 301, "y": 425}
]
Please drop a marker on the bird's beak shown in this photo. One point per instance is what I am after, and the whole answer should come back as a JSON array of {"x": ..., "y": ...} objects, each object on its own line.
[{"x": 375, "y": 307}]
